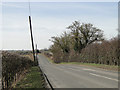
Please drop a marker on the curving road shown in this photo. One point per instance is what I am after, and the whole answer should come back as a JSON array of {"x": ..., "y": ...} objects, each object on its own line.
[{"x": 76, "y": 76}]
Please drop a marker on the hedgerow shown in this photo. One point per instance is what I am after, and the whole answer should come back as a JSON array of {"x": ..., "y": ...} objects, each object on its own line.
[{"x": 12, "y": 66}]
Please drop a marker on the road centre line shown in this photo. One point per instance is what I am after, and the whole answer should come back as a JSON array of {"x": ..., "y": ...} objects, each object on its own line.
[
  {"x": 100, "y": 71},
  {"x": 82, "y": 69},
  {"x": 74, "y": 69},
  {"x": 96, "y": 74},
  {"x": 88, "y": 69},
  {"x": 79, "y": 69},
  {"x": 103, "y": 76},
  {"x": 0, "y": 81}
]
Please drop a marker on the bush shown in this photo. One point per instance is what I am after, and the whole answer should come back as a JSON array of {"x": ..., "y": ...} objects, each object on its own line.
[
  {"x": 101, "y": 53},
  {"x": 12, "y": 66}
]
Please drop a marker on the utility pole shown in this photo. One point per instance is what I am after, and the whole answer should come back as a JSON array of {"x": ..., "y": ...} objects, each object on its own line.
[
  {"x": 32, "y": 38},
  {"x": 36, "y": 51}
]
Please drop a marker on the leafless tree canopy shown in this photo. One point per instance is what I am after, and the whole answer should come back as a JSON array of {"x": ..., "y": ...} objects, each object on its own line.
[{"x": 84, "y": 43}]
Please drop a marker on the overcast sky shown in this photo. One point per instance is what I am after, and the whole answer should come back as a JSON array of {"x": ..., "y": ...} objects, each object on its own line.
[{"x": 51, "y": 19}]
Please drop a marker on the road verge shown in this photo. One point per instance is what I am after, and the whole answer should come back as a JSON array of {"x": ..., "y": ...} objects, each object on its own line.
[{"x": 102, "y": 66}]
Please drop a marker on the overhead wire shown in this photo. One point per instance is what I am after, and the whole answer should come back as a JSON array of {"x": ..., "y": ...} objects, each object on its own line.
[{"x": 29, "y": 8}]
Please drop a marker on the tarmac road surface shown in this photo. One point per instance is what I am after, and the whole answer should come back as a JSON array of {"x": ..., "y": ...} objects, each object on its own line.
[{"x": 76, "y": 76}]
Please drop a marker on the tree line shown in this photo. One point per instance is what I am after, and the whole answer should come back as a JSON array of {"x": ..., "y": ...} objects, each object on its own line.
[{"x": 84, "y": 43}]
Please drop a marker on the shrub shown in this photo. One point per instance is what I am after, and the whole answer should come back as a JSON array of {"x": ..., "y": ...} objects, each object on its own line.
[{"x": 12, "y": 67}]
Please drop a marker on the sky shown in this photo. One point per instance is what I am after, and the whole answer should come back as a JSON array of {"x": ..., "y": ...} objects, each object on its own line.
[{"x": 51, "y": 19}]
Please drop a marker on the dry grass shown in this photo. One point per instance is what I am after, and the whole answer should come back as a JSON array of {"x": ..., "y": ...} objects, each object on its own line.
[{"x": 30, "y": 56}]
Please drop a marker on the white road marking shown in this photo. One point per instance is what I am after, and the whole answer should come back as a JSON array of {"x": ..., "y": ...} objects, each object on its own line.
[
  {"x": 88, "y": 69},
  {"x": 83, "y": 69},
  {"x": 114, "y": 74},
  {"x": 0, "y": 84},
  {"x": 74, "y": 69},
  {"x": 103, "y": 77}
]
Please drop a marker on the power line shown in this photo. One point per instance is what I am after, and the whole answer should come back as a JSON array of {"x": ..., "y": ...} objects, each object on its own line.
[{"x": 29, "y": 8}]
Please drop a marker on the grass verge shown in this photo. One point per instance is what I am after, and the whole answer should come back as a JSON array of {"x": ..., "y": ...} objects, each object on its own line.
[
  {"x": 33, "y": 79},
  {"x": 102, "y": 66}
]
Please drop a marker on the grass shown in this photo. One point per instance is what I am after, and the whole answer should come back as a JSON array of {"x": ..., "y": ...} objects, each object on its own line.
[
  {"x": 103, "y": 66},
  {"x": 33, "y": 79},
  {"x": 52, "y": 61},
  {"x": 29, "y": 56}
]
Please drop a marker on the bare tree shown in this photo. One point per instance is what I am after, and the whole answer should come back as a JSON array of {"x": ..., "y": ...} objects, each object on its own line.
[
  {"x": 84, "y": 34},
  {"x": 63, "y": 42}
]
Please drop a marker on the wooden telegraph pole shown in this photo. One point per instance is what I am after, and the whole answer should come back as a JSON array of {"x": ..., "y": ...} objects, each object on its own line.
[
  {"x": 36, "y": 51},
  {"x": 32, "y": 38}
]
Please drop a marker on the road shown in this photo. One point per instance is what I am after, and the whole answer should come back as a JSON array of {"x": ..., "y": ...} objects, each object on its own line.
[{"x": 76, "y": 76}]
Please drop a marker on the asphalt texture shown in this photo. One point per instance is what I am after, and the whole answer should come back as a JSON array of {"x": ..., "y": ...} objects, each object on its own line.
[{"x": 77, "y": 76}]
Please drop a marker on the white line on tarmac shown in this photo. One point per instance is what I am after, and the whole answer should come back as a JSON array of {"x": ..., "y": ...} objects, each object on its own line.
[
  {"x": 88, "y": 69},
  {"x": 103, "y": 77},
  {"x": 114, "y": 74},
  {"x": 0, "y": 84},
  {"x": 83, "y": 69},
  {"x": 74, "y": 69}
]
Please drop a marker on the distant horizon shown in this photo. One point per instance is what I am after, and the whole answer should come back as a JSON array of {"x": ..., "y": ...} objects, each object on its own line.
[
  {"x": 51, "y": 19},
  {"x": 20, "y": 49}
]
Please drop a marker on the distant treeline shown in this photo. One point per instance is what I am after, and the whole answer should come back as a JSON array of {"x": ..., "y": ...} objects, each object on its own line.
[
  {"x": 84, "y": 43},
  {"x": 20, "y": 52}
]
